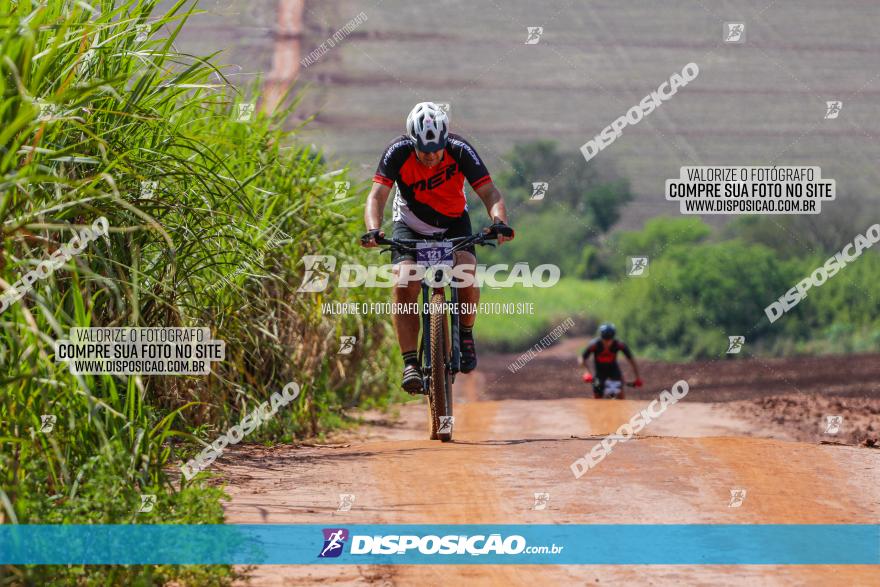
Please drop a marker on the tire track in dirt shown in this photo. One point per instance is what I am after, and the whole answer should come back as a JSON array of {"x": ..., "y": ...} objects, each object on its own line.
[
  {"x": 785, "y": 483},
  {"x": 461, "y": 486}
]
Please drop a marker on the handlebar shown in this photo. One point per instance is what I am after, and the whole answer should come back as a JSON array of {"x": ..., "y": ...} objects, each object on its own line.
[
  {"x": 459, "y": 242},
  {"x": 626, "y": 383}
]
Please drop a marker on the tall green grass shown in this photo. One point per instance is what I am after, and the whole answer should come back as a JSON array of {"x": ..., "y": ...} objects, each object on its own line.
[
  {"x": 588, "y": 302},
  {"x": 91, "y": 109}
]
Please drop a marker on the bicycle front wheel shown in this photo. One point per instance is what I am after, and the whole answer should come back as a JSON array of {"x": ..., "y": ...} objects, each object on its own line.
[{"x": 441, "y": 427}]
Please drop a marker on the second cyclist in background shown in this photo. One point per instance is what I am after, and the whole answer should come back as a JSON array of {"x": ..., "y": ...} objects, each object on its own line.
[{"x": 604, "y": 350}]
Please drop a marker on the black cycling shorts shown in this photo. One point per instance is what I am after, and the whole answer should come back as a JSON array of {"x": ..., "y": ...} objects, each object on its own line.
[
  {"x": 461, "y": 227},
  {"x": 608, "y": 371}
]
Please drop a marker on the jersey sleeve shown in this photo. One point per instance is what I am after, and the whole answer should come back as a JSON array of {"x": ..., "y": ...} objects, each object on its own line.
[
  {"x": 625, "y": 350},
  {"x": 591, "y": 348},
  {"x": 392, "y": 160},
  {"x": 469, "y": 162}
]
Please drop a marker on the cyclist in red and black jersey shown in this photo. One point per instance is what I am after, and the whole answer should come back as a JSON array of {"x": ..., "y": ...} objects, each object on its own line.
[
  {"x": 430, "y": 165},
  {"x": 604, "y": 350}
]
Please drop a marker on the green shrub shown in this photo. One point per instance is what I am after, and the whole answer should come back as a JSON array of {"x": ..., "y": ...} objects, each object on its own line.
[
  {"x": 697, "y": 296},
  {"x": 582, "y": 202},
  {"x": 653, "y": 240}
]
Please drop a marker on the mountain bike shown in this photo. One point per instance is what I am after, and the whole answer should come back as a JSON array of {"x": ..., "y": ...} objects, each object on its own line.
[
  {"x": 439, "y": 349},
  {"x": 608, "y": 388}
]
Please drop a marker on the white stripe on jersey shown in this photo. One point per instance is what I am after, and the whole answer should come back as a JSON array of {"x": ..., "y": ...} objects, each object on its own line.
[{"x": 402, "y": 213}]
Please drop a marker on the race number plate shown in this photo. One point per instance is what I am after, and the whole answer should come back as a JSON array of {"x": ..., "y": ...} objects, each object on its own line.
[{"x": 434, "y": 253}]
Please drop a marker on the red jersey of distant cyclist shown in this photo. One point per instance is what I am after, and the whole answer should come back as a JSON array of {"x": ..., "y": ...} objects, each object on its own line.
[
  {"x": 435, "y": 195},
  {"x": 607, "y": 352}
]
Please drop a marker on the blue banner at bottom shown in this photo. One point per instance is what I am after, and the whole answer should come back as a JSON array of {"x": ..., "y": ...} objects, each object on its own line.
[{"x": 667, "y": 544}]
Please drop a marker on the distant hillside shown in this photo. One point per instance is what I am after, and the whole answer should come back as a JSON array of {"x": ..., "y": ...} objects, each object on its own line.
[{"x": 754, "y": 103}]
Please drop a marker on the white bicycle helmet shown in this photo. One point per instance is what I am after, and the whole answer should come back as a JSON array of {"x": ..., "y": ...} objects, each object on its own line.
[{"x": 428, "y": 126}]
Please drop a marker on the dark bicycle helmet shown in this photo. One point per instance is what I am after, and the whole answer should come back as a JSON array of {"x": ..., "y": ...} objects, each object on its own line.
[{"x": 607, "y": 331}]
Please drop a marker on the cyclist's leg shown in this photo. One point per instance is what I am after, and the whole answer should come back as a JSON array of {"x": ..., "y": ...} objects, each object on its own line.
[
  {"x": 604, "y": 372},
  {"x": 406, "y": 323},
  {"x": 406, "y": 292},
  {"x": 617, "y": 375},
  {"x": 468, "y": 296}
]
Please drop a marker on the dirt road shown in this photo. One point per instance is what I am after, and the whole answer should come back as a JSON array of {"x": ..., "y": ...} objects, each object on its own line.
[{"x": 680, "y": 470}]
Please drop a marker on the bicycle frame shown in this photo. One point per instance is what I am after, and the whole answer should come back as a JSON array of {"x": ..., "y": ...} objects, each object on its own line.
[{"x": 455, "y": 356}]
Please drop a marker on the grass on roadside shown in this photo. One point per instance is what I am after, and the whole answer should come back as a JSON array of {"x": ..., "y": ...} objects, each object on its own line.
[
  {"x": 587, "y": 302},
  {"x": 210, "y": 216}
]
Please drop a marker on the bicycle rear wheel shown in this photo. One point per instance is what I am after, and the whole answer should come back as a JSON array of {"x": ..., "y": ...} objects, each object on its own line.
[{"x": 440, "y": 343}]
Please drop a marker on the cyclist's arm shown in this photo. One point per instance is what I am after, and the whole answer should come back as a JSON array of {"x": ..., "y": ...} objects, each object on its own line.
[
  {"x": 631, "y": 359},
  {"x": 387, "y": 172},
  {"x": 582, "y": 358},
  {"x": 375, "y": 208},
  {"x": 495, "y": 206},
  {"x": 635, "y": 367}
]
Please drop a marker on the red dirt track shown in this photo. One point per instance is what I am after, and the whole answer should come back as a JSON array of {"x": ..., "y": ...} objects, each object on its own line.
[{"x": 680, "y": 469}]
